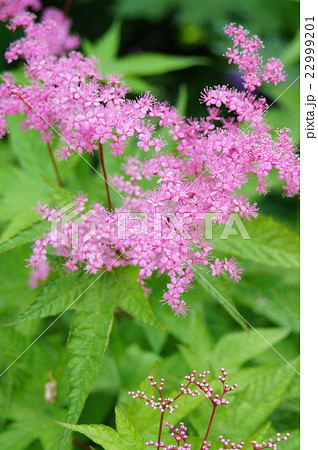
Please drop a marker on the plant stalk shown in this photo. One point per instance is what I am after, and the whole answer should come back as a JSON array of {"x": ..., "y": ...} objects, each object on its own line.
[
  {"x": 209, "y": 426},
  {"x": 105, "y": 177},
  {"x": 160, "y": 427},
  {"x": 56, "y": 170}
]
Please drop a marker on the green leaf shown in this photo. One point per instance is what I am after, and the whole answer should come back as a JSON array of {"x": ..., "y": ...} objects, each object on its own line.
[
  {"x": 60, "y": 195},
  {"x": 182, "y": 100},
  {"x": 258, "y": 435},
  {"x": 19, "y": 435},
  {"x": 148, "y": 64},
  {"x": 91, "y": 328},
  {"x": 129, "y": 296},
  {"x": 24, "y": 236},
  {"x": 87, "y": 343},
  {"x": 136, "y": 65},
  {"x": 269, "y": 243},
  {"x": 15, "y": 294},
  {"x": 291, "y": 53},
  {"x": 126, "y": 436},
  {"x": 56, "y": 296},
  {"x": 107, "y": 47},
  {"x": 270, "y": 293},
  {"x": 252, "y": 406},
  {"x": 219, "y": 290},
  {"x": 249, "y": 407},
  {"x": 22, "y": 184},
  {"x": 293, "y": 442},
  {"x": 234, "y": 349}
]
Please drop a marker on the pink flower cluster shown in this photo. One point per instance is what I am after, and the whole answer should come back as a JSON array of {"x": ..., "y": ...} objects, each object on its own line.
[
  {"x": 179, "y": 434},
  {"x": 12, "y": 8},
  {"x": 48, "y": 37},
  {"x": 245, "y": 54},
  {"x": 194, "y": 169},
  {"x": 271, "y": 443}
]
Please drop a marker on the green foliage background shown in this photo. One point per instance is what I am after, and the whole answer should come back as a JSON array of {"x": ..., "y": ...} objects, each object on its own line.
[{"x": 117, "y": 338}]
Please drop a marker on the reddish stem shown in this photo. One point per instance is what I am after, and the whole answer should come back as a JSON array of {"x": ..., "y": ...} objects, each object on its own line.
[
  {"x": 209, "y": 426},
  {"x": 56, "y": 170},
  {"x": 160, "y": 427},
  {"x": 105, "y": 176},
  {"x": 81, "y": 444},
  {"x": 67, "y": 7}
]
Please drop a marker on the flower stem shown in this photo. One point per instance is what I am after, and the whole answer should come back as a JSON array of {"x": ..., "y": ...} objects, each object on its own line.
[
  {"x": 56, "y": 170},
  {"x": 160, "y": 427},
  {"x": 209, "y": 426},
  {"x": 105, "y": 176},
  {"x": 67, "y": 7}
]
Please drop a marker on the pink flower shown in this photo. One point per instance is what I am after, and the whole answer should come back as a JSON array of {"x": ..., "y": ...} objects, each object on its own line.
[{"x": 64, "y": 153}]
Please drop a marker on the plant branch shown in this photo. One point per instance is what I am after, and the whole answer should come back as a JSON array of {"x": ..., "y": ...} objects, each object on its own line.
[
  {"x": 56, "y": 170},
  {"x": 105, "y": 176}
]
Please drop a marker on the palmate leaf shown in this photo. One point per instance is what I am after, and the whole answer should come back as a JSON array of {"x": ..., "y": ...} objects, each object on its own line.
[
  {"x": 270, "y": 243},
  {"x": 91, "y": 328},
  {"x": 126, "y": 436}
]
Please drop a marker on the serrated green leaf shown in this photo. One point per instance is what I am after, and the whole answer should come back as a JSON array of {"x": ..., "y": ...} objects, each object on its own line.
[
  {"x": 252, "y": 406},
  {"x": 127, "y": 431},
  {"x": 24, "y": 236},
  {"x": 125, "y": 437},
  {"x": 56, "y": 296},
  {"x": 60, "y": 195},
  {"x": 234, "y": 349},
  {"x": 129, "y": 296},
  {"x": 87, "y": 343},
  {"x": 91, "y": 328},
  {"x": 269, "y": 243}
]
